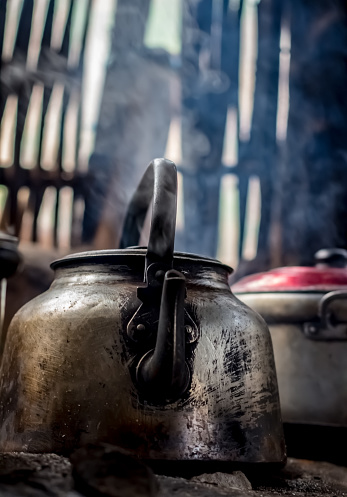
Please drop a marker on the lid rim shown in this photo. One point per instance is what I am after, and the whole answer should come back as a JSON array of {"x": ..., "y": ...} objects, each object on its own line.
[
  {"x": 99, "y": 256},
  {"x": 290, "y": 292}
]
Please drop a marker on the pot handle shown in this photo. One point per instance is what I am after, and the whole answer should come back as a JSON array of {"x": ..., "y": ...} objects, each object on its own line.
[
  {"x": 327, "y": 329},
  {"x": 160, "y": 183},
  {"x": 336, "y": 331}
]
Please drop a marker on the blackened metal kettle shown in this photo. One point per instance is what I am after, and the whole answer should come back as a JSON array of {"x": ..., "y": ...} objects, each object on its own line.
[{"x": 143, "y": 348}]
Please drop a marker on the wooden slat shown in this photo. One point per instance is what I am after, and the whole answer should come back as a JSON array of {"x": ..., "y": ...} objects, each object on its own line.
[
  {"x": 47, "y": 31},
  {"x": 3, "y": 8},
  {"x": 65, "y": 45},
  {"x": 24, "y": 29}
]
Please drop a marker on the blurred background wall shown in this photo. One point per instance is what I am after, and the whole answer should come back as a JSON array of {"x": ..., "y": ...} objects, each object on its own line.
[{"x": 247, "y": 97}]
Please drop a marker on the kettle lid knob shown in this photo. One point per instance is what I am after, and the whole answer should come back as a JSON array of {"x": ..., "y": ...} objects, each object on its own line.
[{"x": 331, "y": 257}]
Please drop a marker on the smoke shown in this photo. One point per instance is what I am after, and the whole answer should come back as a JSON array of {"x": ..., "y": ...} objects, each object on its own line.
[
  {"x": 314, "y": 201},
  {"x": 223, "y": 66}
]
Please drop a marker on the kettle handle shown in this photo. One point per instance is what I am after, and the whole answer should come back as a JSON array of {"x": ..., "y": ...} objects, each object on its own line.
[
  {"x": 162, "y": 373},
  {"x": 160, "y": 183}
]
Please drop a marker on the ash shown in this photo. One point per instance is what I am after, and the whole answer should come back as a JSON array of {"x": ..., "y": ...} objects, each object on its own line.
[{"x": 105, "y": 470}]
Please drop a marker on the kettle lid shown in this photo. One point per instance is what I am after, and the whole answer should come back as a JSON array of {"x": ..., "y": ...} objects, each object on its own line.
[{"x": 116, "y": 256}]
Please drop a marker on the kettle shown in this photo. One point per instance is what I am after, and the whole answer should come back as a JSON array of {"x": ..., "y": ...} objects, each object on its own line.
[{"x": 143, "y": 348}]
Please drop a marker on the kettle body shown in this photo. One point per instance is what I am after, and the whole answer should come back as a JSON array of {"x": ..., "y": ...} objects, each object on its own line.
[{"x": 173, "y": 368}]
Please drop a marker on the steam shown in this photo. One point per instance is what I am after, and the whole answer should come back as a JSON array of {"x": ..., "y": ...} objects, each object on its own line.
[{"x": 227, "y": 90}]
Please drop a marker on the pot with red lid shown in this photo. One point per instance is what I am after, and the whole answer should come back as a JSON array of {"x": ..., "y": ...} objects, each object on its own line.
[{"x": 306, "y": 310}]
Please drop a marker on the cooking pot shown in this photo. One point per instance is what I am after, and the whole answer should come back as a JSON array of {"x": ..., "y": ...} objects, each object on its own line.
[
  {"x": 306, "y": 310},
  {"x": 143, "y": 348},
  {"x": 9, "y": 261}
]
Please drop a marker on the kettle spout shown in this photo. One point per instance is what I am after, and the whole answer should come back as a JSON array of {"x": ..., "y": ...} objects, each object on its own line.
[{"x": 163, "y": 372}]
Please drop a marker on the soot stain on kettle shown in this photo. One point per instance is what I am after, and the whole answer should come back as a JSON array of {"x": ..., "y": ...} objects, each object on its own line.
[
  {"x": 238, "y": 360},
  {"x": 235, "y": 431}
]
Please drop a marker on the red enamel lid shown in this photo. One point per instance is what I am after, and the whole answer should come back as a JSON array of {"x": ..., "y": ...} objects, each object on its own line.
[{"x": 320, "y": 278}]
